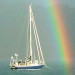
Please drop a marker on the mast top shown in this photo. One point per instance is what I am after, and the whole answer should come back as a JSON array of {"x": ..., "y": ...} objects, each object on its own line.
[{"x": 30, "y": 5}]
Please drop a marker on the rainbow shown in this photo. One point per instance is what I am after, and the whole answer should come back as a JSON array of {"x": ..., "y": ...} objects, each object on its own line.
[{"x": 60, "y": 33}]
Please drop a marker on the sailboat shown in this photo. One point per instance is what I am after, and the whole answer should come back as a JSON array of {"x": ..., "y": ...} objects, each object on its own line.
[{"x": 30, "y": 62}]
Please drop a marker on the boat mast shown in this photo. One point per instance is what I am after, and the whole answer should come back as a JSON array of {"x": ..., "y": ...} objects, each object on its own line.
[
  {"x": 30, "y": 34},
  {"x": 37, "y": 39}
]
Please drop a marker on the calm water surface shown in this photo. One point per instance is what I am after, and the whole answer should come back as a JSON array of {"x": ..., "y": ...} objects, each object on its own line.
[{"x": 54, "y": 69}]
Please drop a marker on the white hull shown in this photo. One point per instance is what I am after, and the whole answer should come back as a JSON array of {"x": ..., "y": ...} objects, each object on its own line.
[{"x": 27, "y": 67}]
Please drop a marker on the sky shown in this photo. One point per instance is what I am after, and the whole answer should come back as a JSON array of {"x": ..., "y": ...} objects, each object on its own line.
[{"x": 14, "y": 15}]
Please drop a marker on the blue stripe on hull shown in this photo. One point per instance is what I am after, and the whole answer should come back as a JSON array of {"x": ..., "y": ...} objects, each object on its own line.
[{"x": 30, "y": 67}]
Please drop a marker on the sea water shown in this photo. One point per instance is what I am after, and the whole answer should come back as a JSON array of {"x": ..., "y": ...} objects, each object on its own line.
[{"x": 52, "y": 69}]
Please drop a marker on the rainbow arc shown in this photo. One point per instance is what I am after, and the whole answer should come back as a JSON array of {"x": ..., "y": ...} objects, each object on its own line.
[{"x": 60, "y": 33}]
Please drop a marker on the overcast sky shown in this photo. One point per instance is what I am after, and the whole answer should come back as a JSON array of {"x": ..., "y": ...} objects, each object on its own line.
[{"x": 14, "y": 13}]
